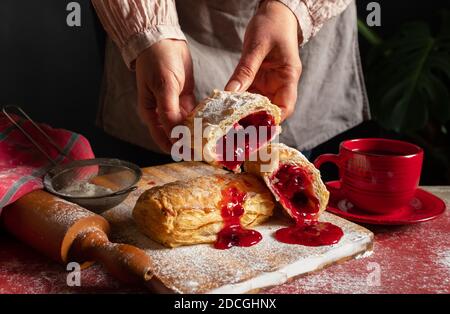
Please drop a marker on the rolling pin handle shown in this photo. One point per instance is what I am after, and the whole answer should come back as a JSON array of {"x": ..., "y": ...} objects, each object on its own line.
[{"x": 126, "y": 262}]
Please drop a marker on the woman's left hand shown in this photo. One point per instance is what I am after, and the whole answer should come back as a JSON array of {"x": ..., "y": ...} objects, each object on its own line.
[{"x": 270, "y": 63}]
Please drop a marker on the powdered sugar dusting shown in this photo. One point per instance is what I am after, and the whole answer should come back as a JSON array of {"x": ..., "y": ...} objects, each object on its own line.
[
  {"x": 412, "y": 259},
  {"x": 85, "y": 189},
  {"x": 221, "y": 103},
  {"x": 64, "y": 213},
  {"x": 201, "y": 268},
  {"x": 444, "y": 259},
  {"x": 408, "y": 259}
]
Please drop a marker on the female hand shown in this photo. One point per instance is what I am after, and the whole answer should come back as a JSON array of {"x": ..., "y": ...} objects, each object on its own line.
[
  {"x": 165, "y": 85},
  {"x": 270, "y": 63}
]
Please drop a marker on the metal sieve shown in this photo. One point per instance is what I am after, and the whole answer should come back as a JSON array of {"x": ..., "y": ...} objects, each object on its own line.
[{"x": 96, "y": 184}]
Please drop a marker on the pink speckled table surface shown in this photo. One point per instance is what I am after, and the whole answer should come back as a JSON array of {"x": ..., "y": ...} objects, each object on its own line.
[{"x": 406, "y": 259}]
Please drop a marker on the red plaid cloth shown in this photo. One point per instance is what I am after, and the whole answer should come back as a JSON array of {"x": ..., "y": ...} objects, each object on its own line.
[{"x": 22, "y": 166}]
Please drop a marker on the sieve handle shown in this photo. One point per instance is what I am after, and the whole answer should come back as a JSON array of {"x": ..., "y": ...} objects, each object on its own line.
[{"x": 6, "y": 110}]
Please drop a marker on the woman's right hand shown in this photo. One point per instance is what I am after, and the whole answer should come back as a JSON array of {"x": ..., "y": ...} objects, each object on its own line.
[{"x": 165, "y": 87}]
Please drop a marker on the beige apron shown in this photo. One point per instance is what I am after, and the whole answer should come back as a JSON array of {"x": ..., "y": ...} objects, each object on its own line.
[{"x": 331, "y": 92}]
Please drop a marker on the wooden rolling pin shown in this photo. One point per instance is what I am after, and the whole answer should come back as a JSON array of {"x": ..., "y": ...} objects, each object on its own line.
[{"x": 67, "y": 233}]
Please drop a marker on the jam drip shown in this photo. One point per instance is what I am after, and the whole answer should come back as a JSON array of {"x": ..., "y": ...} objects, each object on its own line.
[
  {"x": 312, "y": 233},
  {"x": 232, "y": 233},
  {"x": 240, "y": 153},
  {"x": 294, "y": 187}
]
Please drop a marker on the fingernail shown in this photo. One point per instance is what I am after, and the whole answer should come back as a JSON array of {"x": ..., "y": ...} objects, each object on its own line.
[{"x": 233, "y": 86}]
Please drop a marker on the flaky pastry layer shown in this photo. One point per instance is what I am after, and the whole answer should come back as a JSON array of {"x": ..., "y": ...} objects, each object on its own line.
[
  {"x": 283, "y": 154},
  {"x": 219, "y": 113},
  {"x": 189, "y": 212}
]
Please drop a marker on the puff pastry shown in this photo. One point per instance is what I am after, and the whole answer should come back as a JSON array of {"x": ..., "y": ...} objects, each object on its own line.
[
  {"x": 294, "y": 182},
  {"x": 190, "y": 212},
  {"x": 225, "y": 115}
]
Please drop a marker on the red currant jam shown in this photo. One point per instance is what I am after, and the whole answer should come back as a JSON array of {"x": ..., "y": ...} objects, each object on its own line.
[
  {"x": 295, "y": 190},
  {"x": 242, "y": 141},
  {"x": 293, "y": 186},
  {"x": 232, "y": 233},
  {"x": 313, "y": 233}
]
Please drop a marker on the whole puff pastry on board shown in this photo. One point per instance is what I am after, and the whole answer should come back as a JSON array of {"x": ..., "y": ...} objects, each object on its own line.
[
  {"x": 283, "y": 157},
  {"x": 189, "y": 212},
  {"x": 221, "y": 112}
]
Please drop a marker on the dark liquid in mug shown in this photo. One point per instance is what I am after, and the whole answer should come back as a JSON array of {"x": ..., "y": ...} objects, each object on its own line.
[{"x": 378, "y": 152}]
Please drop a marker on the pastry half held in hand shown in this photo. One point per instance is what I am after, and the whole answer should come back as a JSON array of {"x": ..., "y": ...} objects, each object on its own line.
[
  {"x": 198, "y": 210},
  {"x": 233, "y": 125},
  {"x": 294, "y": 181}
]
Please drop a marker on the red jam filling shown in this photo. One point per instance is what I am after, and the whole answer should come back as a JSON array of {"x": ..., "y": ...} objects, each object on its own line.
[
  {"x": 294, "y": 187},
  {"x": 313, "y": 233},
  {"x": 241, "y": 149},
  {"x": 232, "y": 233},
  {"x": 295, "y": 190}
]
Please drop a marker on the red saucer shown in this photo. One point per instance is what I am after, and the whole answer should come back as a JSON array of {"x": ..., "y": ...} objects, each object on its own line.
[{"x": 423, "y": 207}]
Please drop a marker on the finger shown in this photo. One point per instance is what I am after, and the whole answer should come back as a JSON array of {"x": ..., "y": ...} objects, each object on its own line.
[
  {"x": 187, "y": 104},
  {"x": 157, "y": 133},
  {"x": 286, "y": 98},
  {"x": 168, "y": 106},
  {"x": 187, "y": 98},
  {"x": 146, "y": 103},
  {"x": 252, "y": 57},
  {"x": 147, "y": 113},
  {"x": 286, "y": 95}
]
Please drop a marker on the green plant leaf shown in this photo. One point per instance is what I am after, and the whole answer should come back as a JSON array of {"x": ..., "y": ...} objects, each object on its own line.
[
  {"x": 408, "y": 77},
  {"x": 439, "y": 100}
]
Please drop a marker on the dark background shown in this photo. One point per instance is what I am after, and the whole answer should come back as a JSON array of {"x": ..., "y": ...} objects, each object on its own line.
[{"x": 54, "y": 71}]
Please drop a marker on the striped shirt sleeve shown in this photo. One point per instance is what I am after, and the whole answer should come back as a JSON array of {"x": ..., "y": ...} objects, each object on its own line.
[
  {"x": 312, "y": 14},
  {"x": 135, "y": 25}
]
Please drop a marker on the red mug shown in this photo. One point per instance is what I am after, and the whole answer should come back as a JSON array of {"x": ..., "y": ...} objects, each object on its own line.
[{"x": 377, "y": 175}]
